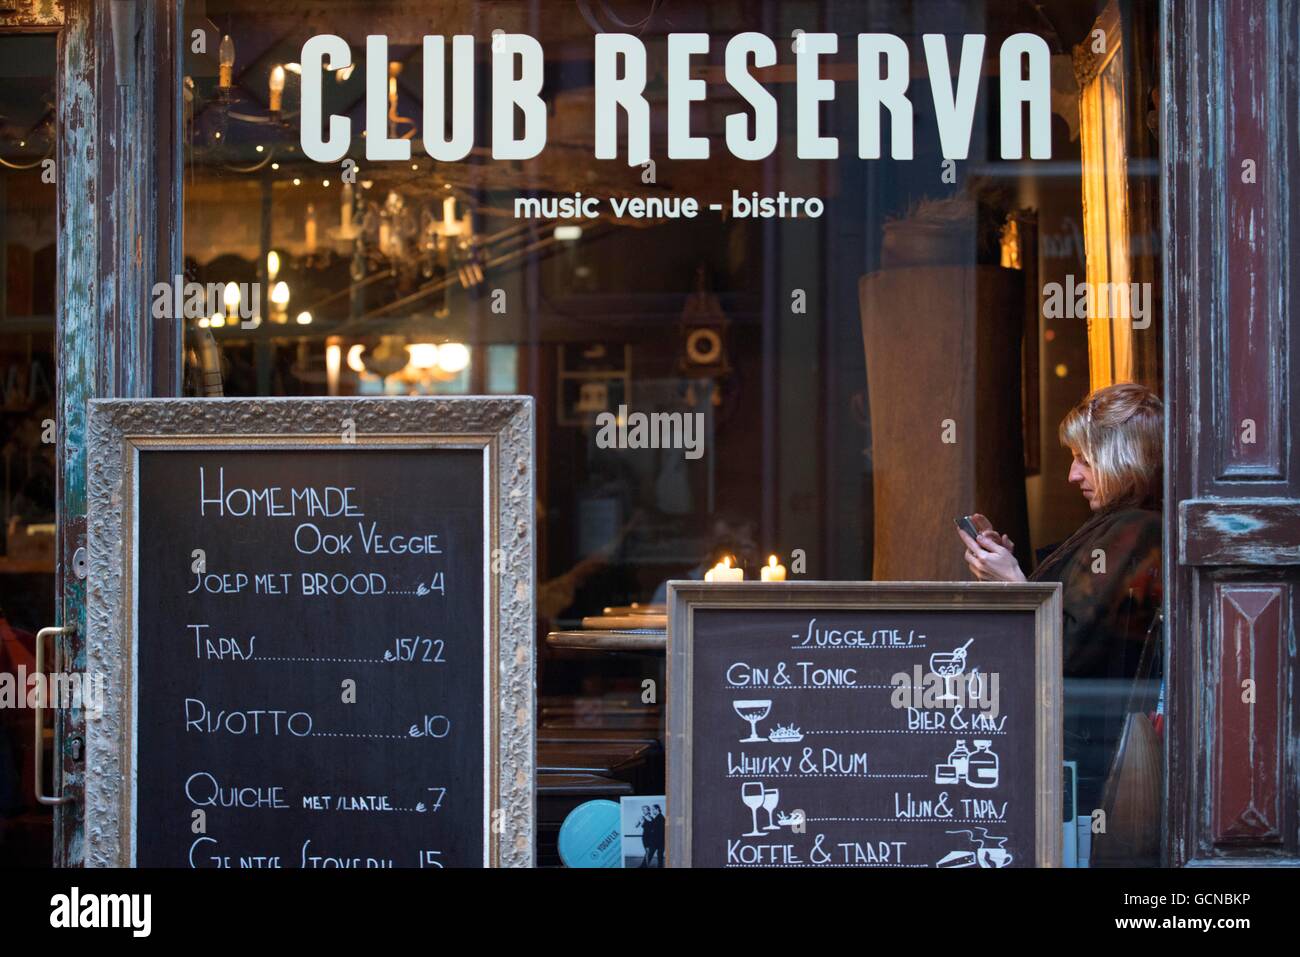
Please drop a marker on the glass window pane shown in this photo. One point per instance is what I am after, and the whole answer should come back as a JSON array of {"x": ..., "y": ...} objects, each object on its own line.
[{"x": 855, "y": 352}]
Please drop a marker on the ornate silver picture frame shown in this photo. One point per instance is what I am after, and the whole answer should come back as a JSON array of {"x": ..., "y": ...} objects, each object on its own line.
[{"x": 500, "y": 427}]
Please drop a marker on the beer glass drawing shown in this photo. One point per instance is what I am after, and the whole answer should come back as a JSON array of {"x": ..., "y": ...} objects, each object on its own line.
[
  {"x": 753, "y": 711},
  {"x": 753, "y": 794}
]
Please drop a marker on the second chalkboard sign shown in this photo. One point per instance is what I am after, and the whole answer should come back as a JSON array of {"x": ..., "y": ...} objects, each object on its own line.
[
  {"x": 827, "y": 724},
  {"x": 315, "y": 621}
]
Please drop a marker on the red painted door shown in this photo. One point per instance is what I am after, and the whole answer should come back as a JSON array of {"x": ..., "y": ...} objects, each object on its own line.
[{"x": 1232, "y": 217}]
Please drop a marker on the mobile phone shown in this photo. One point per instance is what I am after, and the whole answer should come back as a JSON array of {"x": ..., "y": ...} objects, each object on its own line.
[{"x": 973, "y": 524}]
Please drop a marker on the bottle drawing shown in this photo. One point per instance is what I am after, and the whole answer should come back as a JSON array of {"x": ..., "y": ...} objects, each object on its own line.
[
  {"x": 959, "y": 759},
  {"x": 982, "y": 766}
]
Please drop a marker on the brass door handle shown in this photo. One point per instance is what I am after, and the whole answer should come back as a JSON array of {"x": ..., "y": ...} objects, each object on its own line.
[{"x": 41, "y": 796}]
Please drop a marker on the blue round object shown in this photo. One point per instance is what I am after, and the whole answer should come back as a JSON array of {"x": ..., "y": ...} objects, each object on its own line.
[{"x": 589, "y": 836}]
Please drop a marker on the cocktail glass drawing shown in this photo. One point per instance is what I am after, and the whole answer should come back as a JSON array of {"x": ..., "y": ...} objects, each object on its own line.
[
  {"x": 753, "y": 794},
  {"x": 753, "y": 711},
  {"x": 949, "y": 664},
  {"x": 771, "y": 797}
]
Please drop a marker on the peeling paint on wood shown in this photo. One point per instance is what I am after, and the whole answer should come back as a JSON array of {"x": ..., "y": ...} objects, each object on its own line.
[
  {"x": 1230, "y": 76},
  {"x": 1259, "y": 532},
  {"x": 1248, "y": 751},
  {"x": 110, "y": 221},
  {"x": 1248, "y": 364},
  {"x": 77, "y": 328}
]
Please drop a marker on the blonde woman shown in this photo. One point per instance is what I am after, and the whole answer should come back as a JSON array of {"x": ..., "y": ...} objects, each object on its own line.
[{"x": 1109, "y": 568}]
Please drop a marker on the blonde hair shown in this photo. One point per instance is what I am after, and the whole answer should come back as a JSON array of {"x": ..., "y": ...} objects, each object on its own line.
[{"x": 1120, "y": 431}]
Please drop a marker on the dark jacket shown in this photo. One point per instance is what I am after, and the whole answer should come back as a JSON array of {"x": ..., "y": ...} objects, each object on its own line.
[{"x": 1111, "y": 591}]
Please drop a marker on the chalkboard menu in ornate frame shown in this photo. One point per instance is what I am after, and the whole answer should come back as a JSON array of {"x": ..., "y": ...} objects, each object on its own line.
[
  {"x": 872, "y": 724},
  {"x": 315, "y": 622}
]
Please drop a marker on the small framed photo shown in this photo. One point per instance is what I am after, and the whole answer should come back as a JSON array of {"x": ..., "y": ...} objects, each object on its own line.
[{"x": 642, "y": 823}]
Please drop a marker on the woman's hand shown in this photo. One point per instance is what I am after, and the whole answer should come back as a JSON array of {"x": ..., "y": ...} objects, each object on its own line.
[{"x": 990, "y": 557}]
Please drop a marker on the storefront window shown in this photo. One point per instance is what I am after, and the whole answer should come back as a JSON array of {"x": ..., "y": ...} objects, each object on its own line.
[
  {"x": 28, "y": 375},
  {"x": 894, "y": 351}
]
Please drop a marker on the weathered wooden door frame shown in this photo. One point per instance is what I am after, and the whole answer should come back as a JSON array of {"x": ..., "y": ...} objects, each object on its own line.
[
  {"x": 1232, "y": 489},
  {"x": 118, "y": 196}
]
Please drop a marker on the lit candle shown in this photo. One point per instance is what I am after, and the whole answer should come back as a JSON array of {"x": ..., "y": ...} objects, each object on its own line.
[
  {"x": 280, "y": 302},
  {"x": 309, "y": 228},
  {"x": 231, "y": 299},
  {"x": 724, "y": 572},
  {"x": 772, "y": 572},
  {"x": 226, "y": 61},
  {"x": 449, "y": 225},
  {"x": 333, "y": 355},
  {"x": 276, "y": 87}
]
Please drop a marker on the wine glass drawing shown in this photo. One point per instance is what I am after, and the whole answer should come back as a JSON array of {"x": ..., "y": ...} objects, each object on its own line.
[
  {"x": 771, "y": 796},
  {"x": 753, "y": 711},
  {"x": 753, "y": 793},
  {"x": 949, "y": 664}
]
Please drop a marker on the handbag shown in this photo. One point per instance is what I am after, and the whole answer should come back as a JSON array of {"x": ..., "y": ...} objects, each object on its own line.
[{"x": 1132, "y": 792}]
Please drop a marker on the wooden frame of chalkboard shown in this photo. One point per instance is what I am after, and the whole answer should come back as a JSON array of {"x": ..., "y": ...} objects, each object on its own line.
[
  {"x": 1041, "y": 602},
  {"x": 498, "y": 431}
]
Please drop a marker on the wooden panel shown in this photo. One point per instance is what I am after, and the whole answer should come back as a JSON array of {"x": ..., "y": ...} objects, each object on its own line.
[
  {"x": 1249, "y": 739},
  {"x": 1250, "y": 393},
  {"x": 1239, "y": 532},
  {"x": 116, "y": 228},
  {"x": 1230, "y": 71},
  {"x": 79, "y": 344}
]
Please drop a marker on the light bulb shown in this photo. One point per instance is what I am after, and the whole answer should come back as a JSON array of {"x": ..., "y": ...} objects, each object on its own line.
[
  {"x": 226, "y": 57},
  {"x": 304, "y": 318},
  {"x": 272, "y": 265},
  {"x": 453, "y": 356},
  {"x": 424, "y": 355},
  {"x": 280, "y": 293},
  {"x": 354, "y": 359},
  {"x": 230, "y": 296}
]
